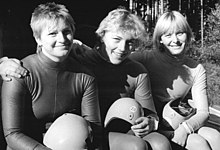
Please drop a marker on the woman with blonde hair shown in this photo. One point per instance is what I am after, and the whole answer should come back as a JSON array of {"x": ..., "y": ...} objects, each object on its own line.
[
  {"x": 120, "y": 33},
  {"x": 56, "y": 85},
  {"x": 173, "y": 75}
]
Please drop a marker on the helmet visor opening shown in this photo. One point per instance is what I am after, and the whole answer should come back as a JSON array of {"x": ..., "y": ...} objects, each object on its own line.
[{"x": 118, "y": 125}]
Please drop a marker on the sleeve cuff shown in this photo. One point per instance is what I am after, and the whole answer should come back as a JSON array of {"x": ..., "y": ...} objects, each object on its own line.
[{"x": 155, "y": 120}]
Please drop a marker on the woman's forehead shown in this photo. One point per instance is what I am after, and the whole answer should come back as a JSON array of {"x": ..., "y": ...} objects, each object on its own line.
[
  {"x": 173, "y": 25},
  {"x": 56, "y": 24},
  {"x": 172, "y": 28},
  {"x": 122, "y": 33}
]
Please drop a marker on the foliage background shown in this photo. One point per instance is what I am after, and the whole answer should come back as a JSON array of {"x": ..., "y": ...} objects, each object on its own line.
[{"x": 209, "y": 54}]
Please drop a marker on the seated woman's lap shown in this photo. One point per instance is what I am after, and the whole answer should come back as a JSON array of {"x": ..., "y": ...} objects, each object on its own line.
[
  {"x": 209, "y": 133},
  {"x": 122, "y": 141},
  {"x": 196, "y": 141},
  {"x": 158, "y": 141}
]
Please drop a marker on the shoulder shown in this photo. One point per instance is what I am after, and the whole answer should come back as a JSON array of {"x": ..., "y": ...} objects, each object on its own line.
[
  {"x": 29, "y": 57},
  {"x": 191, "y": 62},
  {"x": 29, "y": 61},
  {"x": 194, "y": 65},
  {"x": 87, "y": 57},
  {"x": 196, "y": 69},
  {"x": 200, "y": 70},
  {"x": 134, "y": 66},
  {"x": 142, "y": 56},
  {"x": 78, "y": 67}
]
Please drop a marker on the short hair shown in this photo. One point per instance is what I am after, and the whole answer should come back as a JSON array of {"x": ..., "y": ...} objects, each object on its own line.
[
  {"x": 171, "y": 21},
  {"x": 123, "y": 20},
  {"x": 49, "y": 12}
]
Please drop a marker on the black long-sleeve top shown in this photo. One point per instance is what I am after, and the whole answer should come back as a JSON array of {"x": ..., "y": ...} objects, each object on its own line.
[
  {"x": 127, "y": 79},
  {"x": 50, "y": 90}
]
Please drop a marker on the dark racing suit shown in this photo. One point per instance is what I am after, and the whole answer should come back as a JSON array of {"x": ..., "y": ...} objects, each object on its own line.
[
  {"x": 127, "y": 79},
  {"x": 50, "y": 90}
]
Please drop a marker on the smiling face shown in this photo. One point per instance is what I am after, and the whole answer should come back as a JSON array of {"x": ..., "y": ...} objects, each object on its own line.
[
  {"x": 56, "y": 40},
  {"x": 122, "y": 32},
  {"x": 172, "y": 33},
  {"x": 175, "y": 42},
  {"x": 118, "y": 45}
]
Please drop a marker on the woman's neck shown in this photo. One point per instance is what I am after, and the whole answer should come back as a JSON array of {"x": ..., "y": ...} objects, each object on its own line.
[{"x": 53, "y": 58}]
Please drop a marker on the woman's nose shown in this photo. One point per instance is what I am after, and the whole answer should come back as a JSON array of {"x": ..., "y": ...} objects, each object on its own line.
[
  {"x": 61, "y": 37},
  {"x": 174, "y": 38},
  {"x": 122, "y": 46}
]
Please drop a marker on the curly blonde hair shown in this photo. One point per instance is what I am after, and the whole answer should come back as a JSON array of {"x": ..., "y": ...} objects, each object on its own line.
[{"x": 123, "y": 20}]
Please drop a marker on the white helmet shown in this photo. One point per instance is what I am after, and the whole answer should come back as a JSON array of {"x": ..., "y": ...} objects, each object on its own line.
[
  {"x": 68, "y": 132},
  {"x": 174, "y": 114},
  {"x": 127, "y": 109}
]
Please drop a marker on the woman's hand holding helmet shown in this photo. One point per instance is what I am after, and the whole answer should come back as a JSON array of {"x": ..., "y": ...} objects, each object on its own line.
[
  {"x": 143, "y": 126},
  {"x": 180, "y": 136}
]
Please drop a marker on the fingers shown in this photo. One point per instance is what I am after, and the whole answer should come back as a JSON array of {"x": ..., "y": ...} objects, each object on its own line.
[
  {"x": 16, "y": 60},
  {"x": 4, "y": 58},
  {"x": 86, "y": 47},
  {"x": 142, "y": 127},
  {"x": 19, "y": 70},
  {"x": 142, "y": 122},
  {"x": 140, "y": 132},
  {"x": 75, "y": 41},
  {"x": 13, "y": 74},
  {"x": 6, "y": 78},
  {"x": 13, "y": 68},
  {"x": 79, "y": 45}
]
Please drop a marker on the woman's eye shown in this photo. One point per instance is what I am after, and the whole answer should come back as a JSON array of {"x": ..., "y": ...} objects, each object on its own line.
[
  {"x": 179, "y": 33},
  {"x": 66, "y": 32},
  {"x": 116, "y": 39},
  {"x": 167, "y": 35},
  {"x": 53, "y": 33}
]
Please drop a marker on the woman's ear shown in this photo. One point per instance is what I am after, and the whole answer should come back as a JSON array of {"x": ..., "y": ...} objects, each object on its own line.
[{"x": 38, "y": 41}]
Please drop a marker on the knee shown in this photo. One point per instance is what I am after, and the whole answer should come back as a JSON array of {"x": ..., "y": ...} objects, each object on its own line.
[
  {"x": 209, "y": 134},
  {"x": 195, "y": 140},
  {"x": 119, "y": 141},
  {"x": 138, "y": 144},
  {"x": 158, "y": 141}
]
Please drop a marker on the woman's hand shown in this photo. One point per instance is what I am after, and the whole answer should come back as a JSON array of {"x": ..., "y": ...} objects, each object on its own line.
[
  {"x": 11, "y": 68},
  {"x": 77, "y": 44},
  {"x": 180, "y": 136},
  {"x": 143, "y": 126}
]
